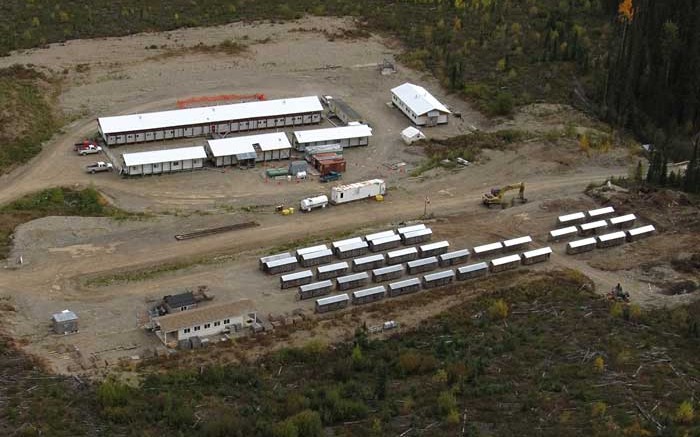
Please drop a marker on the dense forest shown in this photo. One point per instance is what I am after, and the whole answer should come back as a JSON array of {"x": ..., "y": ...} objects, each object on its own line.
[{"x": 545, "y": 357}]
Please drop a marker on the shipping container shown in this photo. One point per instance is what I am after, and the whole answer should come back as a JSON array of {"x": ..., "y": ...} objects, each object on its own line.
[
  {"x": 372, "y": 237},
  {"x": 488, "y": 249},
  {"x": 336, "y": 244},
  {"x": 352, "y": 281},
  {"x": 357, "y": 191},
  {"x": 327, "y": 165},
  {"x": 315, "y": 289},
  {"x": 352, "y": 250},
  {"x": 438, "y": 279},
  {"x": 434, "y": 249},
  {"x": 592, "y": 228},
  {"x": 368, "y": 295},
  {"x": 277, "y": 266},
  {"x": 264, "y": 260},
  {"x": 563, "y": 233},
  {"x": 537, "y": 255},
  {"x": 612, "y": 239},
  {"x": 623, "y": 221},
  {"x": 311, "y": 249},
  {"x": 331, "y": 271},
  {"x": 296, "y": 279},
  {"x": 580, "y": 246},
  {"x": 387, "y": 273},
  {"x": 404, "y": 287},
  {"x": 571, "y": 219},
  {"x": 514, "y": 244},
  {"x": 601, "y": 213},
  {"x": 385, "y": 243},
  {"x": 641, "y": 232},
  {"x": 472, "y": 271},
  {"x": 332, "y": 303},
  {"x": 401, "y": 255},
  {"x": 412, "y": 228},
  {"x": 368, "y": 263},
  {"x": 505, "y": 263},
  {"x": 422, "y": 265},
  {"x": 416, "y": 237},
  {"x": 454, "y": 258},
  {"x": 316, "y": 258}
]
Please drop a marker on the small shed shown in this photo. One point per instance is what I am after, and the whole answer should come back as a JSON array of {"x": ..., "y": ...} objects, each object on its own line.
[
  {"x": 434, "y": 249},
  {"x": 517, "y": 243},
  {"x": 488, "y": 249},
  {"x": 376, "y": 235},
  {"x": 385, "y": 243},
  {"x": 438, "y": 279},
  {"x": 410, "y": 135},
  {"x": 179, "y": 302},
  {"x": 265, "y": 259},
  {"x": 592, "y": 228},
  {"x": 65, "y": 322},
  {"x": 601, "y": 213},
  {"x": 404, "y": 287},
  {"x": 368, "y": 262},
  {"x": 401, "y": 255},
  {"x": 452, "y": 258},
  {"x": 612, "y": 239},
  {"x": 416, "y": 237},
  {"x": 422, "y": 265},
  {"x": 163, "y": 161},
  {"x": 331, "y": 271},
  {"x": 387, "y": 273}
]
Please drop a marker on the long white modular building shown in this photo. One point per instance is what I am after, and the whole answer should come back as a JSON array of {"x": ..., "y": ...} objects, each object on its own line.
[
  {"x": 347, "y": 136},
  {"x": 263, "y": 147},
  {"x": 163, "y": 161},
  {"x": 419, "y": 105},
  {"x": 194, "y": 122}
]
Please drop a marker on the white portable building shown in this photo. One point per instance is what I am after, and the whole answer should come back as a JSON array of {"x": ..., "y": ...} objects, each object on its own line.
[
  {"x": 472, "y": 271},
  {"x": 385, "y": 243},
  {"x": 488, "y": 249},
  {"x": 438, "y": 279},
  {"x": 410, "y": 135},
  {"x": 387, "y": 273},
  {"x": 504, "y": 263},
  {"x": 623, "y": 221},
  {"x": 592, "y": 228},
  {"x": 336, "y": 244},
  {"x": 600, "y": 213},
  {"x": 452, "y": 258},
  {"x": 376, "y": 235},
  {"x": 347, "y": 136},
  {"x": 537, "y": 255},
  {"x": 332, "y": 270},
  {"x": 404, "y": 287},
  {"x": 316, "y": 258},
  {"x": 368, "y": 295},
  {"x": 264, "y": 147},
  {"x": 357, "y": 191},
  {"x": 422, "y": 265},
  {"x": 280, "y": 265},
  {"x": 612, "y": 239},
  {"x": 310, "y": 249},
  {"x": 562, "y": 233},
  {"x": 401, "y": 255},
  {"x": 637, "y": 233},
  {"x": 580, "y": 246},
  {"x": 315, "y": 289},
  {"x": 571, "y": 219},
  {"x": 332, "y": 303},
  {"x": 419, "y": 105},
  {"x": 358, "y": 248},
  {"x": 296, "y": 279},
  {"x": 412, "y": 228},
  {"x": 163, "y": 161},
  {"x": 517, "y": 243},
  {"x": 265, "y": 259},
  {"x": 418, "y": 236},
  {"x": 195, "y": 122},
  {"x": 434, "y": 249}
]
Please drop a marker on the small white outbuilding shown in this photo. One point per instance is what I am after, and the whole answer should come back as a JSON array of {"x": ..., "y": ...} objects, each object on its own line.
[
  {"x": 163, "y": 161},
  {"x": 419, "y": 105},
  {"x": 264, "y": 147},
  {"x": 410, "y": 135}
]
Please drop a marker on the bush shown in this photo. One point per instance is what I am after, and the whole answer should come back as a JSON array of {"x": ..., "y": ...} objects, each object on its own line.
[
  {"x": 599, "y": 364},
  {"x": 685, "y": 413},
  {"x": 502, "y": 104},
  {"x": 498, "y": 310},
  {"x": 413, "y": 362}
]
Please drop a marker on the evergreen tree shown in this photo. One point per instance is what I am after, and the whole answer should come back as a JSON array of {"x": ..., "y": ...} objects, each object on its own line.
[
  {"x": 692, "y": 173},
  {"x": 663, "y": 171}
]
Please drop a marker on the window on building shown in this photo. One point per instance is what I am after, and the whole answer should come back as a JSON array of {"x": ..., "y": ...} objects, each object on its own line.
[
  {"x": 176, "y": 163},
  {"x": 227, "y": 321},
  {"x": 207, "y": 325},
  {"x": 183, "y": 308},
  {"x": 197, "y": 328},
  {"x": 217, "y": 323},
  {"x": 186, "y": 330}
]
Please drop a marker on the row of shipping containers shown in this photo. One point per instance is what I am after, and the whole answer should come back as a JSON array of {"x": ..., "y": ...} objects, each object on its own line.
[
  {"x": 582, "y": 217},
  {"x": 592, "y": 228},
  {"x": 609, "y": 240}
]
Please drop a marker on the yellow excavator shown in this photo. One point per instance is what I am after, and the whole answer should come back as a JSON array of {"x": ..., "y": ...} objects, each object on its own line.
[{"x": 495, "y": 197}]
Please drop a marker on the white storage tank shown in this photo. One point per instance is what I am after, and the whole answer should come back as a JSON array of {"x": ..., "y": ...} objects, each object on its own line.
[{"x": 310, "y": 203}]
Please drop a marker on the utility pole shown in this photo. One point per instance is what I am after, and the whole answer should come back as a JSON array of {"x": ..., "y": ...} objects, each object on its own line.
[{"x": 425, "y": 206}]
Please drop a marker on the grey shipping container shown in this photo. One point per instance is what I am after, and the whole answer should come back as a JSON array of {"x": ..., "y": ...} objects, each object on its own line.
[
  {"x": 296, "y": 279},
  {"x": 368, "y": 295},
  {"x": 434, "y": 249},
  {"x": 351, "y": 250},
  {"x": 422, "y": 265},
  {"x": 387, "y": 273},
  {"x": 331, "y": 271},
  {"x": 352, "y": 281},
  {"x": 453, "y": 258},
  {"x": 277, "y": 266},
  {"x": 367, "y": 263},
  {"x": 404, "y": 287},
  {"x": 385, "y": 243},
  {"x": 438, "y": 279},
  {"x": 472, "y": 271},
  {"x": 315, "y": 289},
  {"x": 416, "y": 237},
  {"x": 264, "y": 260},
  {"x": 402, "y": 255},
  {"x": 332, "y": 303},
  {"x": 316, "y": 258}
]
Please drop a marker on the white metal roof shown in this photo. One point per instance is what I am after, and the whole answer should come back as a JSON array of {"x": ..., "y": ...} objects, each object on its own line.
[
  {"x": 316, "y": 285},
  {"x": 64, "y": 316},
  {"x": 488, "y": 247},
  {"x": 208, "y": 114},
  {"x": 473, "y": 267},
  {"x": 275, "y": 257},
  {"x": 405, "y": 283},
  {"x": 410, "y": 228},
  {"x": 333, "y": 299},
  {"x": 333, "y": 267},
  {"x": 306, "y": 250},
  {"x": 317, "y": 254},
  {"x": 384, "y": 240},
  {"x": 563, "y": 231},
  {"x": 537, "y": 252},
  {"x": 353, "y": 277},
  {"x": 239, "y": 145},
  {"x": 333, "y": 133},
  {"x": 357, "y": 185},
  {"x": 455, "y": 254},
  {"x": 337, "y": 244},
  {"x": 412, "y": 132},
  {"x": 281, "y": 262},
  {"x": 418, "y": 233},
  {"x": 377, "y": 235},
  {"x": 159, "y": 156},
  {"x": 594, "y": 225},
  {"x": 612, "y": 236},
  {"x": 369, "y": 291},
  {"x": 439, "y": 275},
  {"x": 297, "y": 275},
  {"x": 433, "y": 246},
  {"x": 642, "y": 230},
  {"x": 584, "y": 242},
  {"x": 517, "y": 241},
  {"x": 368, "y": 259},
  {"x": 623, "y": 219},
  {"x": 418, "y": 99},
  {"x": 506, "y": 260},
  {"x": 353, "y": 246},
  {"x": 388, "y": 269},
  {"x": 601, "y": 211},
  {"x": 402, "y": 252},
  {"x": 571, "y": 217},
  {"x": 423, "y": 261}
]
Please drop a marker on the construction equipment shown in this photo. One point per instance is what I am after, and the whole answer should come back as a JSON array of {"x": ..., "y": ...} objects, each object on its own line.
[{"x": 495, "y": 197}]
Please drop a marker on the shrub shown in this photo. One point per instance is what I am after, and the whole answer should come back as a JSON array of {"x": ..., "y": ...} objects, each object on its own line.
[
  {"x": 447, "y": 402},
  {"x": 413, "y": 362},
  {"x": 502, "y": 104},
  {"x": 685, "y": 413},
  {"x": 598, "y": 409},
  {"x": 498, "y": 310},
  {"x": 599, "y": 364}
]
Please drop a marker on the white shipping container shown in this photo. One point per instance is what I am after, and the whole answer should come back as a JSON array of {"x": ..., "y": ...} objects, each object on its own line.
[{"x": 357, "y": 191}]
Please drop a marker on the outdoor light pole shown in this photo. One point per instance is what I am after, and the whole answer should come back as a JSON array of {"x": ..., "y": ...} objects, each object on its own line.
[{"x": 425, "y": 206}]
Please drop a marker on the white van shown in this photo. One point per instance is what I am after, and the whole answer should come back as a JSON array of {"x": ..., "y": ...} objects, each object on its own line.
[{"x": 310, "y": 203}]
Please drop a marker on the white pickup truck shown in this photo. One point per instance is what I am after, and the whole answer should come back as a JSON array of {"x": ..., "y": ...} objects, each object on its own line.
[
  {"x": 89, "y": 149},
  {"x": 98, "y": 166}
]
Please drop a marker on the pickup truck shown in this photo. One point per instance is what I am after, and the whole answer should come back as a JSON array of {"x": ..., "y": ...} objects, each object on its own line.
[
  {"x": 331, "y": 176},
  {"x": 83, "y": 144},
  {"x": 89, "y": 150},
  {"x": 98, "y": 167}
]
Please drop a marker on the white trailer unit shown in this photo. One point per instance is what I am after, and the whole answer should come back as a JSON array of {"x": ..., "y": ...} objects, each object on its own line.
[
  {"x": 434, "y": 249},
  {"x": 315, "y": 289},
  {"x": 357, "y": 191},
  {"x": 580, "y": 246},
  {"x": 351, "y": 281},
  {"x": 517, "y": 244},
  {"x": 404, "y": 287},
  {"x": 311, "y": 249},
  {"x": 563, "y": 233},
  {"x": 387, "y": 273},
  {"x": 368, "y": 263},
  {"x": 438, "y": 279},
  {"x": 332, "y": 303},
  {"x": 537, "y": 255},
  {"x": 592, "y": 228},
  {"x": 623, "y": 221},
  {"x": 355, "y": 134},
  {"x": 310, "y": 203},
  {"x": 401, "y": 255},
  {"x": 265, "y": 259},
  {"x": 316, "y": 258},
  {"x": 352, "y": 250},
  {"x": 296, "y": 279},
  {"x": 601, "y": 213},
  {"x": 488, "y": 249},
  {"x": 504, "y": 263},
  {"x": 418, "y": 236},
  {"x": 641, "y": 232},
  {"x": 368, "y": 295},
  {"x": 280, "y": 265},
  {"x": 612, "y": 239},
  {"x": 332, "y": 270},
  {"x": 377, "y": 235},
  {"x": 385, "y": 243},
  {"x": 412, "y": 228},
  {"x": 571, "y": 219},
  {"x": 336, "y": 244},
  {"x": 422, "y": 265},
  {"x": 163, "y": 161},
  {"x": 452, "y": 258},
  {"x": 472, "y": 271}
]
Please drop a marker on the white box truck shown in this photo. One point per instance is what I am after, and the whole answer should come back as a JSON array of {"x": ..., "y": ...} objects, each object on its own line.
[
  {"x": 310, "y": 203},
  {"x": 357, "y": 191}
]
